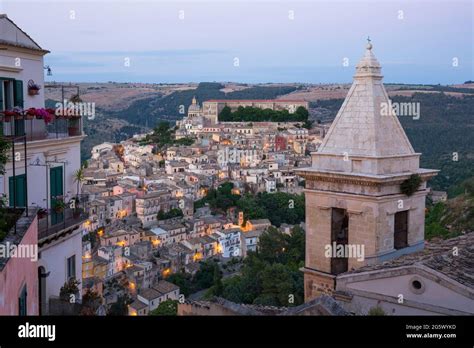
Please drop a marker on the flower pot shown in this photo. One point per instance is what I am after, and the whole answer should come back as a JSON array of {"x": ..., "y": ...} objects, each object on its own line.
[
  {"x": 33, "y": 91},
  {"x": 73, "y": 131},
  {"x": 42, "y": 214}
]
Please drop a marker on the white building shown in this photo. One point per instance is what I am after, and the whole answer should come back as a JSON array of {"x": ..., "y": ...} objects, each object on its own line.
[
  {"x": 51, "y": 160},
  {"x": 100, "y": 149},
  {"x": 230, "y": 243}
]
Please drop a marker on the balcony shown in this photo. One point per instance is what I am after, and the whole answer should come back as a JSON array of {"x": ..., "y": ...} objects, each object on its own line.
[
  {"x": 53, "y": 222},
  {"x": 40, "y": 128}
]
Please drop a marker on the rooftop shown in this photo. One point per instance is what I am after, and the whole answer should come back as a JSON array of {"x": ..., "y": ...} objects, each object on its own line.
[
  {"x": 165, "y": 287},
  {"x": 437, "y": 255}
]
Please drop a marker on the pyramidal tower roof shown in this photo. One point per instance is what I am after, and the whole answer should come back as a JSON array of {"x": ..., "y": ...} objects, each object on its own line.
[{"x": 366, "y": 124}]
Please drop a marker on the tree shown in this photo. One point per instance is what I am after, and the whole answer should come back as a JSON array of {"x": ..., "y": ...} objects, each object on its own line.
[
  {"x": 302, "y": 113},
  {"x": 217, "y": 287},
  {"x": 272, "y": 245},
  {"x": 4, "y": 146},
  {"x": 225, "y": 114},
  {"x": 206, "y": 275},
  {"x": 251, "y": 114},
  {"x": 277, "y": 286},
  {"x": 184, "y": 281},
  {"x": 175, "y": 212},
  {"x": 4, "y": 223},
  {"x": 308, "y": 124},
  {"x": 90, "y": 302},
  {"x": 168, "y": 308},
  {"x": 120, "y": 307},
  {"x": 69, "y": 289},
  {"x": 79, "y": 178},
  {"x": 270, "y": 275}
]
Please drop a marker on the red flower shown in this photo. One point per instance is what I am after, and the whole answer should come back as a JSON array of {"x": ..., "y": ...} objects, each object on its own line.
[{"x": 10, "y": 113}]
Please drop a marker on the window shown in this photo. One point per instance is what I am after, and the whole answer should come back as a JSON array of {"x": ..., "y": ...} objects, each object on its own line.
[
  {"x": 417, "y": 286},
  {"x": 22, "y": 301},
  {"x": 400, "y": 238},
  {"x": 71, "y": 267},
  {"x": 56, "y": 192},
  {"x": 11, "y": 95},
  {"x": 8, "y": 101}
]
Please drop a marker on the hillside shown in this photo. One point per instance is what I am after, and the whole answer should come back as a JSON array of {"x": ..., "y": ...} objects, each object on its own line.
[
  {"x": 453, "y": 217},
  {"x": 445, "y": 127}
]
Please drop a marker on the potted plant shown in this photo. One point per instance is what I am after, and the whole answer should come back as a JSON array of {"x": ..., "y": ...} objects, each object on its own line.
[
  {"x": 33, "y": 88},
  {"x": 44, "y": 114},
  {"x": 42, "y": 213},
  {"x": 69, "y": 290},
  {"x": 8, "y": 115},
  {"x": 59, "y": 205},
  {"x": 73, "y": 126},
  {"x": 30, "y": 113}
]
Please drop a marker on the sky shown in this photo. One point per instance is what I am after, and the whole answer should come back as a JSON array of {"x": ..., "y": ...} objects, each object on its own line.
[{"x": 249, "y": 41}]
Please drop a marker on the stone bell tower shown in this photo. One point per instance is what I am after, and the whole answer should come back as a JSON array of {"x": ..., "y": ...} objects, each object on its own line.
[{"x": 353, "y": 199}]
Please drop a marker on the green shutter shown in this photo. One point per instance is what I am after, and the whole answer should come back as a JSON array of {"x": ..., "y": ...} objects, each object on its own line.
[
  {"x": 18, "y": 93},
  {"x": 56, "y": 189},
  {"x": 20, "y": 190}
]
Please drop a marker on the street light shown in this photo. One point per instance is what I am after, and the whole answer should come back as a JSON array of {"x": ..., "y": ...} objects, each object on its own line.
[{"x": 48, "y": 70}]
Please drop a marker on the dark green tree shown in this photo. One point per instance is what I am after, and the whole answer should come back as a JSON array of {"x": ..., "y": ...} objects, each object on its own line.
[
  {"x": 120, "y": 307},
  {"x": 166, "y": 308}
]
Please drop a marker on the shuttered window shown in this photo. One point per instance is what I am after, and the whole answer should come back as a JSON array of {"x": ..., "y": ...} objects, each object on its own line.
[
  {"x": 56, "y": 189},
  {"x": 17, "y": 190},
  {"x": 18, "y": 93},
  {"x": 12, "y": 95}
]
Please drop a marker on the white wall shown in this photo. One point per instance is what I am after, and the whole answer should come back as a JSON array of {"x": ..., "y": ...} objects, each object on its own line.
[
  {"x": 53, "y": 259},
  {"x": 434, "y": 294},
  {"x": 59, "y": 150},
  {"x": 30, "y": 68}
]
